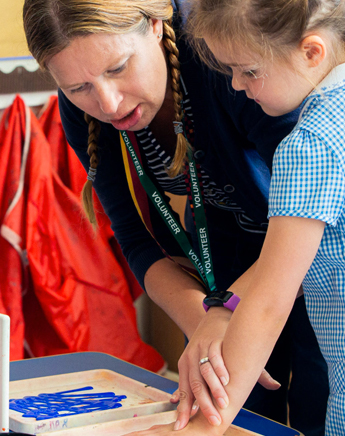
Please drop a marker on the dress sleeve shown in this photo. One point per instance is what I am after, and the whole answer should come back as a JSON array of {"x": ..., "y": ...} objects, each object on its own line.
[
  {"x": 137, "y": 244},
  {"x": 308, "y": 180}
]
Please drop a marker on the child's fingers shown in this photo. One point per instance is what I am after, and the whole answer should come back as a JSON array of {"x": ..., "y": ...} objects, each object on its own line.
[{"x": 268, "y": 382}]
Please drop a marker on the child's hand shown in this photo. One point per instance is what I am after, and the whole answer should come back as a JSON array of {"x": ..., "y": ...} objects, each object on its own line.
[{"x": 268, "y": 382}]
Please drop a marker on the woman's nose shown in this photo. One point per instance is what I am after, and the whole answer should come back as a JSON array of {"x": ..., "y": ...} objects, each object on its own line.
[{"x": 109, "y": 99}]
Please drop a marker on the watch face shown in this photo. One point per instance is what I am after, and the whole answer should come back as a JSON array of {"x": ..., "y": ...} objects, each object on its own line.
[
  {"x": 218, "y": 298},
  {"x": 227, "y": 296}
]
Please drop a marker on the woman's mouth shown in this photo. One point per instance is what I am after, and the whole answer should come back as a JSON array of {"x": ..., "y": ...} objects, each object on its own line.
[{"x": 128, "y": 121}]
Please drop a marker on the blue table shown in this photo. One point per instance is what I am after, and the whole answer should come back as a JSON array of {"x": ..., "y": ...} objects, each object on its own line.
[{"x": 74, "y": 362}]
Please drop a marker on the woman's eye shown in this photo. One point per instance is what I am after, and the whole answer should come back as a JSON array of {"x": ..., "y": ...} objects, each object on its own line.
[
  {"x": 80, "y": 89},
  {"x": 117, "y": 70}
]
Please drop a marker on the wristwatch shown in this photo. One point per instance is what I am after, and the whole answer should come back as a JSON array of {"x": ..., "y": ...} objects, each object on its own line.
[{"x": 221, "y": 299}]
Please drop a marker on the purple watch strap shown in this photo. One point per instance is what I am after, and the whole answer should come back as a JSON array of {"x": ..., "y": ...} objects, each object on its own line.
[{"x": 231, "y": 304}]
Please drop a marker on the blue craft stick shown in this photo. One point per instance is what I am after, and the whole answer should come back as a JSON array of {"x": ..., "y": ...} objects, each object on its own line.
[{"x": 65, "y": 403}]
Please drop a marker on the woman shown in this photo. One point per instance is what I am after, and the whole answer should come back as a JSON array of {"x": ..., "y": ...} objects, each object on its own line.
[{"x": 126, "y": 64}]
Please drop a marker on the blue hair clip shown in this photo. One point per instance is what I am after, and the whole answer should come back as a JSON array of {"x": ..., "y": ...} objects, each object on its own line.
[
  {"x": 178, "y": 127},
  {"x": 91, "y": 175}
]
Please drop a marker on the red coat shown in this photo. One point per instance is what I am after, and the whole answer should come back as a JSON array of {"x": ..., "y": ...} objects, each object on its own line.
[{"x": 71, "y": 293}]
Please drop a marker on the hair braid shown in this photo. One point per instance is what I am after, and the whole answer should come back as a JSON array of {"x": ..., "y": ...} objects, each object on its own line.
[
  {"x": 86, "y": 194},
  {"x": 182, "y": 145}
]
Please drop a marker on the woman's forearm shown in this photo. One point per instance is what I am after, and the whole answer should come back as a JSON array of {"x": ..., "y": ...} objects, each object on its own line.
[{"x": 177, "y": 293}]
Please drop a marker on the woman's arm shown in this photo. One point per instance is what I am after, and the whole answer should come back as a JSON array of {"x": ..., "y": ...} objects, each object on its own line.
[{"x": 177, "y": 293}]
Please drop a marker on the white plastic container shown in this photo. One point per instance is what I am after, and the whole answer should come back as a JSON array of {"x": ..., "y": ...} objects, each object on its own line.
[
  {"x": 142, "y": 400},
  {"x": 4, "y": 372}
]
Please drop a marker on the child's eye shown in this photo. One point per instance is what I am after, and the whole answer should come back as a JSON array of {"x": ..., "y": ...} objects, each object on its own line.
[
  {"x": 229, "y": 71},
  {"x": 226, "y": 69},
  {"x": 251, "y": 74}
]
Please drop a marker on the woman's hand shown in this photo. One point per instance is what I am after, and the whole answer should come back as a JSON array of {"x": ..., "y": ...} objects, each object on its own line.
[
  {"x": 195, "y": 427},
  {"x": 197, "y": 381},
  {"x": 175, "y": 398},
  {"x": 201, "y": 385}
]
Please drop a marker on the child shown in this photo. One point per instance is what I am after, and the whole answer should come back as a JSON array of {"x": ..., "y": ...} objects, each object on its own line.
[{"x": 283, "y": 53}]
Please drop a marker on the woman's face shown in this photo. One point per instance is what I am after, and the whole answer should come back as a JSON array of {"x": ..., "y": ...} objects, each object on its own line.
[{"x": 118, "y": 79}]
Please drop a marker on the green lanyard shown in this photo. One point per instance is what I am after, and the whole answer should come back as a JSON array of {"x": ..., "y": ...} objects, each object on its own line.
[{"x": 203, "y": 265}]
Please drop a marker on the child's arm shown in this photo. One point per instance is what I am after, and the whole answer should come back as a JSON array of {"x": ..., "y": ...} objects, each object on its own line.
[{"x": 289, "y": 249}]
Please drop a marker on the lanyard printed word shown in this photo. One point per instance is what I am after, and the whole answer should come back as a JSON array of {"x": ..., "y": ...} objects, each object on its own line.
[{"x": 205, "y": 266}]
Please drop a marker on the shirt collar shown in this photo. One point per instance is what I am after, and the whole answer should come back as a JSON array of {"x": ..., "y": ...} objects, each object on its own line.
[{"x": 334, "y": 79}]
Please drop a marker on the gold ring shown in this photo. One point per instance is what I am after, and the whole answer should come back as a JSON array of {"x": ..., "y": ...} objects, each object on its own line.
[{"x": 203, "y": 360}]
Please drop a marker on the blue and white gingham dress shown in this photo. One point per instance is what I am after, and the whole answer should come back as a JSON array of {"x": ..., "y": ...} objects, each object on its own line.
[{"x": 309, "y": 181}]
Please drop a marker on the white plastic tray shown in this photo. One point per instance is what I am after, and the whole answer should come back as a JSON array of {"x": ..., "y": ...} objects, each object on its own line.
[{"x": 142, "y": 400}]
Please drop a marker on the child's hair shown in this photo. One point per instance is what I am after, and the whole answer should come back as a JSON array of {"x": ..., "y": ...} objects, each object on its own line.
[
  {"x": 51, "y": 25},
  {"x": 267, "y": 27}
]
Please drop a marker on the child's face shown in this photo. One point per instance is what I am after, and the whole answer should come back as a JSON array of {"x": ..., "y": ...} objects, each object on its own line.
[{"x": 276, "y": 87}]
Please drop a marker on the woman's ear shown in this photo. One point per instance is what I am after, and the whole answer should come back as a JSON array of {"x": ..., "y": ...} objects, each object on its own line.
[
  {"x": 313, "y": 48},
  {"x": 157, "y": 27}
]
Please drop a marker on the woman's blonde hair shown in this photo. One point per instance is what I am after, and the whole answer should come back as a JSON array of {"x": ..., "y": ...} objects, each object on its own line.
[
  {"x": 50, "y": 26},
  {"x": 267, "y": 27}
]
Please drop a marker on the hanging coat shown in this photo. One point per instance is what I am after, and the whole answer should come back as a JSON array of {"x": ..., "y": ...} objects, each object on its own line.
[
  {"x": 66, "y": 163},
  {"x": 77, "y": 297},
  {"x": 13, "y": 264}
]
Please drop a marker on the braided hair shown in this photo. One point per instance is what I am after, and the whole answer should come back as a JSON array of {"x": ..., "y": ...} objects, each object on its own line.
[
  {"x": 86, "y": 194},
  {"x": 50, "y": 26}
]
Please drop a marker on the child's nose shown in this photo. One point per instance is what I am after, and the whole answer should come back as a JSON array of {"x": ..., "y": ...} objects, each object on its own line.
[{"x": 238, "y": 83}]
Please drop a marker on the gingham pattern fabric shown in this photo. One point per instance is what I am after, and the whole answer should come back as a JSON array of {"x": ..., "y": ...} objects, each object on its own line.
[{"x": 309, "y": 181}]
